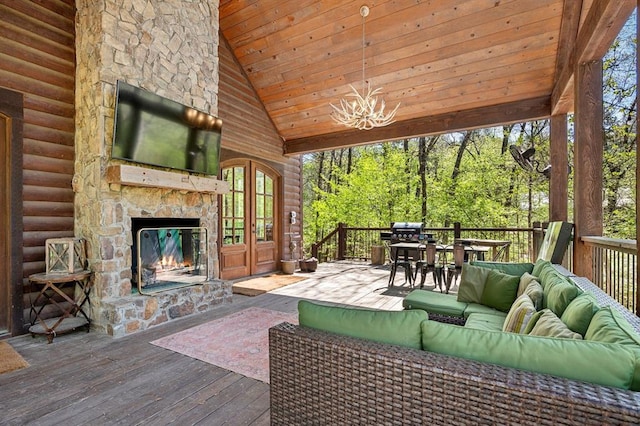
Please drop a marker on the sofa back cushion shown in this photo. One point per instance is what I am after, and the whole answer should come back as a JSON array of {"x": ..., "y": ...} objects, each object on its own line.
[
  {"x": 573, "y": 359},
  {"x": 578, "y": 314},
  {"x": 608, "y": 326},
  {"x": 511, "y": 268},
  {"x": 472, "y": 282},
  {"x": 558, "y": 293},
  {"x": 500, "y": 290},
  {"x": 400, "y": 328}
]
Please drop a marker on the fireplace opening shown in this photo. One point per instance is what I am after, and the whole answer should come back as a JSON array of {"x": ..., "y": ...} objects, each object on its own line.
[{"x": 168, "y": 253}]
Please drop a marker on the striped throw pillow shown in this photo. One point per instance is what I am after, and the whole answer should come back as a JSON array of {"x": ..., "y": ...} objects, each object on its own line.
[{"x": 519, "y": 315}]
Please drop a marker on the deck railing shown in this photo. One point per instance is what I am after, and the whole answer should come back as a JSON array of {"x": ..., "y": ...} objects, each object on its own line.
[
  {"x": 355, "y": 243},
  {"x": 614, "y": 269}
]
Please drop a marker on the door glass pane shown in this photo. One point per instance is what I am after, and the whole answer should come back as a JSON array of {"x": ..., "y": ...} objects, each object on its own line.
[
  {"x": 260, "y": 231},
  {"x": 233, "y": 219},
  {"x": 268, "y": 186},
  {"x": 259, "y": 206},
  {"x": 259, "y": 182}
]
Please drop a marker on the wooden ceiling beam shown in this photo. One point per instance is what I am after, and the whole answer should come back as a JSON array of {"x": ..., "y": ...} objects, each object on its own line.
[
  {"x": 600, "y": 28},
  {"x": 530, "y": 109}
]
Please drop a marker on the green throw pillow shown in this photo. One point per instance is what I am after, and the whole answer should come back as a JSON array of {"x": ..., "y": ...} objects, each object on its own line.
[
  {"x": 536, "y": 293},
  {"x": 511, "y": 268},
  {"x": 500, "y": 290},
  {"x": 525, "y": 280},
  {"x": 532, "y": 322},
  {"x": 519, "y": 315},
  {"x": 472, "y": 283},
  {"x": 559, "y": 293},
  {"x": 578, "y": 314},
  {"x": 392, "y": 327},
  {"x": 549, "y": 325}
]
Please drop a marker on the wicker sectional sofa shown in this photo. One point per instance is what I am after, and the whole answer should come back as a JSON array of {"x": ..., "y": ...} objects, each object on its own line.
[{"x": 327, "y": 377}]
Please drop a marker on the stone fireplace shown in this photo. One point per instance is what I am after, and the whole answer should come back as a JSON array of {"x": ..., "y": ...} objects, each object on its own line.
[{"x": 169, "y": 48}]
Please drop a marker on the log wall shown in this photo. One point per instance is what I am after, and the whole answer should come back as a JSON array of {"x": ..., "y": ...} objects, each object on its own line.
[{"x": 37, "y": 59}]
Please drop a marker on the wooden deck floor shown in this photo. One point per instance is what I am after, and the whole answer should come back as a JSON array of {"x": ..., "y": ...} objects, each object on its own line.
[{"x": 90, "y": 378}]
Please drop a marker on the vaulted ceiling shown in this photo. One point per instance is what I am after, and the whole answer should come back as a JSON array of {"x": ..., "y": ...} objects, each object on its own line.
[{"x": 451, "y": 64}]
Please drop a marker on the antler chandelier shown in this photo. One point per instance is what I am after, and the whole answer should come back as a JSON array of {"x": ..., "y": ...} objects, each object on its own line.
[{"x": 361, "y": 113}]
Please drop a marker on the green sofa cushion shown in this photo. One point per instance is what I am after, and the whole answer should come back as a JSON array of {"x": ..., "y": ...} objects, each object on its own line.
[
  {"x": 488, "y": 322},
  {"x": 472, "y": 281},
  {"x": 573, "y": 359},
  {"x": 578, "y": 314},
  {"x": 392, "y": 327},
  {"x": 435, "y": 302},
  {"x": 477, "y": 308},
  {"x": 549, "y": 325},
  {"x": 540, "y": 266},
  {"x": 608, "y": 326},
  {"x": 500, "y": 290},
  {"x": 510, "y": 268},
  {"x": 558, "y": 293},
  {"x": 519, "y": 315}
]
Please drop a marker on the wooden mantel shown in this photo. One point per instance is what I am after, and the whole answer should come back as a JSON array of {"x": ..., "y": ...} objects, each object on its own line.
[{"x": 124, "y": 174}]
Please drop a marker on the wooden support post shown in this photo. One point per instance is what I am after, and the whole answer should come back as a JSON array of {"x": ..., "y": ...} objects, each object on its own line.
[
  {"x": 342, "y": 241},
  {"x": 637, "y": 292},
  {"x": 558, "y": 185},
  {"x": 588, "y": 156}
]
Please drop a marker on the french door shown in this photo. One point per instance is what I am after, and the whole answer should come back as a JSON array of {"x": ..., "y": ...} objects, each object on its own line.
[{"x": 249, "y": 220}]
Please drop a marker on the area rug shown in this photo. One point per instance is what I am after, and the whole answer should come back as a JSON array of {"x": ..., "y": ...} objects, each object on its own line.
[
  {"x": 10, "y": 360},
  {"x": 238, "y": 342},
  {"x": 260, "y": 285}
]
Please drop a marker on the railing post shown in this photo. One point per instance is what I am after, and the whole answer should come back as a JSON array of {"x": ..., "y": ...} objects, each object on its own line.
[
  {"x": 456, "y": 230},
  {"x": 342, "y": 241},
  {"x": 538, "y": 236},
  {"x": 314, "y": 250}
]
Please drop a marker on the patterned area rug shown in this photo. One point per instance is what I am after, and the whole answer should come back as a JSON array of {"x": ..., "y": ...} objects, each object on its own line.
[
  {"x": 238, "y": 342},
  {"x": 260, "y": 285},
  {"x": 10, "y": 360}
]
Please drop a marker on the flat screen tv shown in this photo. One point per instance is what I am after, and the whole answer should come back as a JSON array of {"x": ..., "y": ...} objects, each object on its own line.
[{"x": 151, "y": 129}]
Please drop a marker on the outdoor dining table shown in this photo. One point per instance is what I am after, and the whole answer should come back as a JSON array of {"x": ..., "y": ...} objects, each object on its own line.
[{"x": 498, "y": 247}]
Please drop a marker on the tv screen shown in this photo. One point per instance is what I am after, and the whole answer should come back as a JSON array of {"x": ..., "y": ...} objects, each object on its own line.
[{"x": 151, "y": 129}]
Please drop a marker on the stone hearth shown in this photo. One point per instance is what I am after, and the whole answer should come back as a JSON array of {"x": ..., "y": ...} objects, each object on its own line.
[{"x": 169, "y": 48}]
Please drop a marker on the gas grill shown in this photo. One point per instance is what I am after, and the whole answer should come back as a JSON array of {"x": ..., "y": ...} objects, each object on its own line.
[{"x": 406, "y": 232}]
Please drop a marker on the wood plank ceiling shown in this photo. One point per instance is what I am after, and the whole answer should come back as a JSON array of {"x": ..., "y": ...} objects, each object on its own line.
[{"x": 499, "y": 60}]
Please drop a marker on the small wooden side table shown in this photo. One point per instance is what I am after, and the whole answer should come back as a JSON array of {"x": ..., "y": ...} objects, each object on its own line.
[{"x": 72, "y": 315}]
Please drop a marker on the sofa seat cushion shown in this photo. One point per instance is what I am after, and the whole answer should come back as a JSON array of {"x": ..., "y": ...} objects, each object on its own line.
[
  {"x": 500, "y": 290},
  {"x": 474, "y": 308},
  {"x": 400, "y": 328},
  {"x": 510, "y": 268},
  {"x": 579, "y": 313},
  {"x": 548, "y": 324},
  {"x": 572, "y": 359},
  {"x": 432, "y": 301},
  {"x": 488, "y": 322}
]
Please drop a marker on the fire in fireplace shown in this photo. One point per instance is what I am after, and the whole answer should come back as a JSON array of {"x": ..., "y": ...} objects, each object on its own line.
[{"x": 168, "y": 254}]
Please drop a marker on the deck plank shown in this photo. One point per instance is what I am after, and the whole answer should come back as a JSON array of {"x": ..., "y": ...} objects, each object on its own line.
[{"x": 92, "y": 378}]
